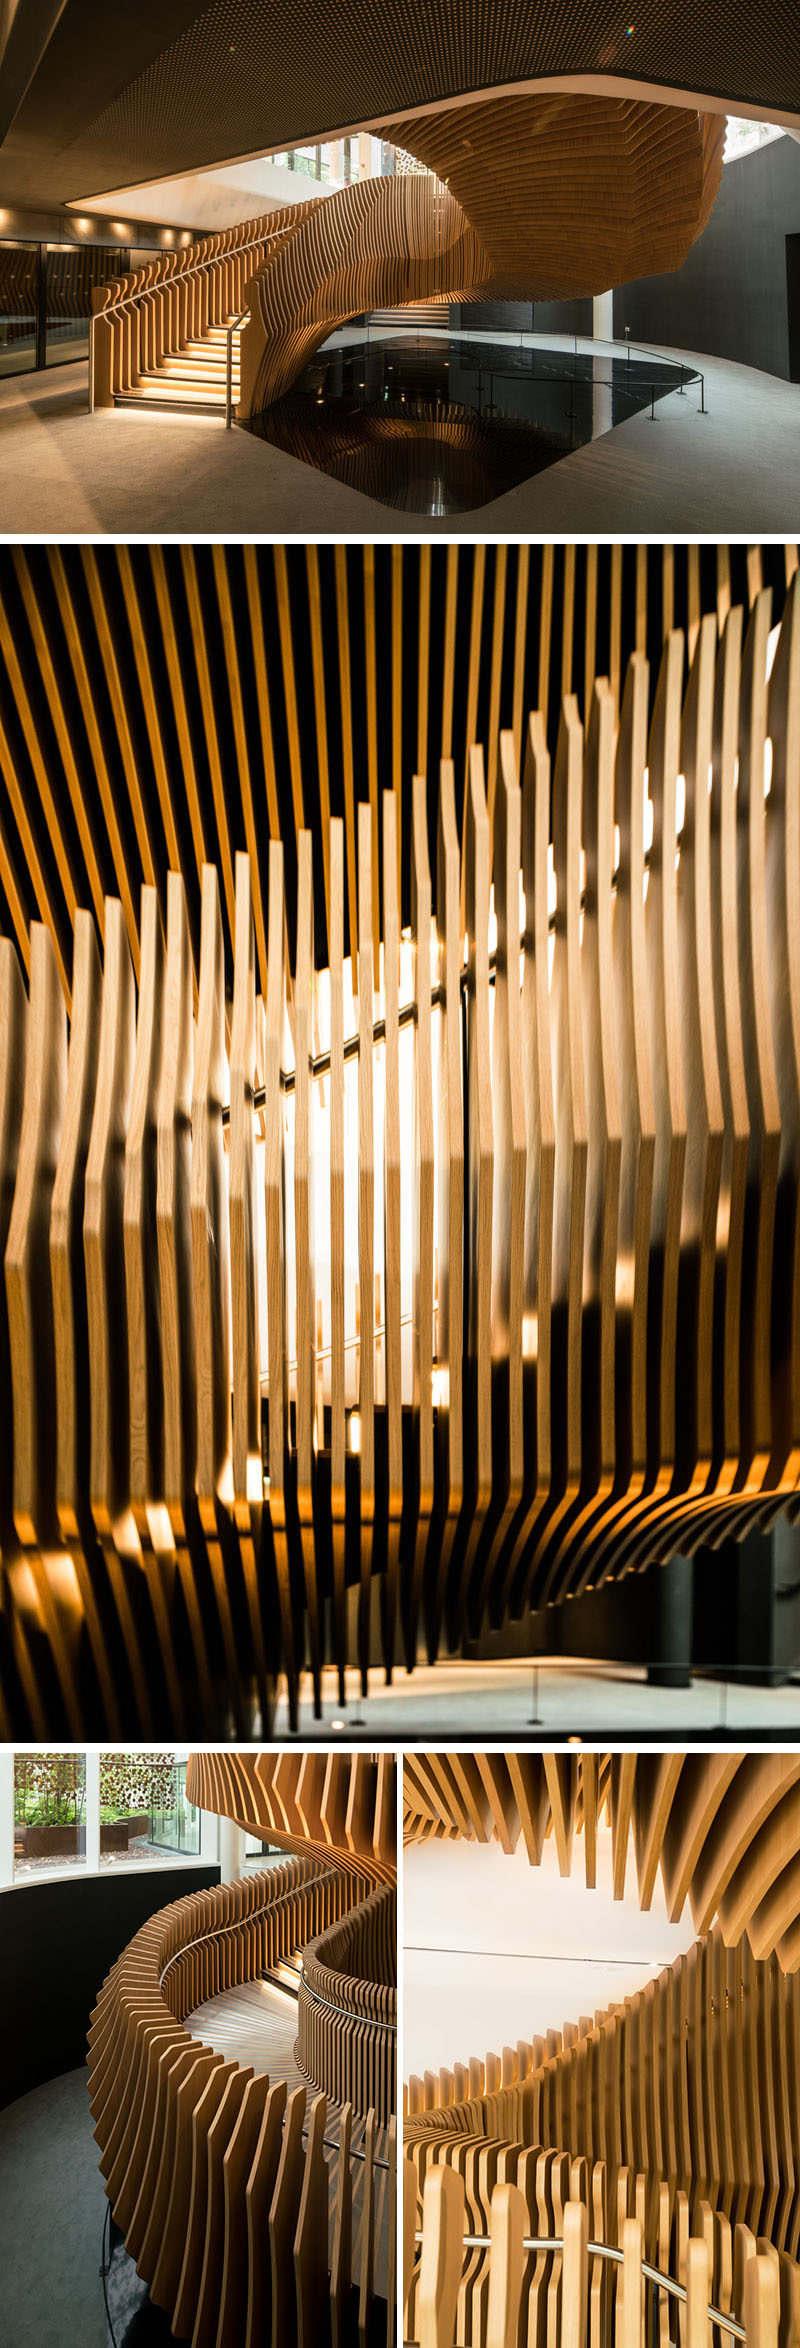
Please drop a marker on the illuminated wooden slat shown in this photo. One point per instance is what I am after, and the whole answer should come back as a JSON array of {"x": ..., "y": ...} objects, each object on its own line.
[
  {"x": 70, "y": 1330},
  {"x": 150, "y": 704},
  {"x": 422, "y": 1273},
  {"x": 304, "y": 1238},
  {"x": 478, "y": 1331},
  {"x": 290, "y": 690},
  {"x": 118, "y": 705},
  {"x": 510, "y": 1165},
  {"x": 276, "y": 1267},
  {"x": 18, "y": 811},
  {"x": 337, "y": 1189},
  {"x": 343, "y": 637},
  {"x": 42, "y": 779},
  {"x": 366, "y": 1232},
  {"x": 392, "y": 1225},
  {"x": 99, "y": 762},
  {"x": 210, "y": 1229},
  {"x": 571, "y": 1139},
  {"x": 372, "y": 727},
  {"x": 229, "y": 638},
  {"x": 27, "y": 1271},
  {"x": 17, "y": 1582},
  {"x": 450, "y": 1236},
  {"x": 423, "y": 678},
  {"x": 62, "y": 731},
  {"x": 540, "y": 1136},
  {"x": 201, "y": 660},
  {"x": 312, "y": 569},
  {"x": 448, "y": 663},
  {"x": 262, "y": 688},
  {"x": 247, "y": 1068}
]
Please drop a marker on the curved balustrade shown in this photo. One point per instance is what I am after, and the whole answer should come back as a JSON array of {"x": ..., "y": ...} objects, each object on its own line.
[
  {"x": 380, "y": 242},
  {"x": 575, "y": 2280},
  {"x": 679, "y": 2109},
  {"x": 310, "y": 1802},
  {"x": 592, "y": 1362},
  {"x": 218, "y": 2181},
  {"x": 347, "y": 2008}
]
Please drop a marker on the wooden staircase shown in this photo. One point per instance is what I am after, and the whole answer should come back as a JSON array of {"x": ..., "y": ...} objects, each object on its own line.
[
  {"x": 191, "y": 380},
  {"x": 414, "y": 315}
]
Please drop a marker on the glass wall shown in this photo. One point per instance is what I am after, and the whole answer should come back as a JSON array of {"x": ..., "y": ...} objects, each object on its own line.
[
  {"x": 70, "y": 273},
  {"x": 18, "y": 274},
  {"x": 101, "y": 1811},
  {"x": 46, "y": 300},
  {"x": 49, "y": 1812},
  {"x": 173, "y": 1822}
]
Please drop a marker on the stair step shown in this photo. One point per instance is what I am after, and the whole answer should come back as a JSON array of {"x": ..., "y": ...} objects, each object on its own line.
[
  {"x": 181, "y": 405},
  {"x": 284, "y": 1977}
]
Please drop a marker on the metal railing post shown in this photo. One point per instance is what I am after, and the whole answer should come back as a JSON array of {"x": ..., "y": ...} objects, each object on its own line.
[
  {"x": 91, "y": 364},
  {"x": 229, "y": 380}
]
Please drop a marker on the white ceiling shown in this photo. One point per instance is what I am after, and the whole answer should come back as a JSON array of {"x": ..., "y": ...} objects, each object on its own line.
[{"x": 496, "y": 1950}]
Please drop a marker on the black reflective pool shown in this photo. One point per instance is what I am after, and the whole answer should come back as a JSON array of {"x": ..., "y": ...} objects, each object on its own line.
[{"x": 441, "y": 425}]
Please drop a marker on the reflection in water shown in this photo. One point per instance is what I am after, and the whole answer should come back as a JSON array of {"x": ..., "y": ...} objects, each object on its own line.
[{"x": 440, "y": 427}]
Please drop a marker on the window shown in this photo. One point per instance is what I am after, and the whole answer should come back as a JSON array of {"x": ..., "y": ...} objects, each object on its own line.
[
  {"x": 49, "y": 1813},
  {"x": 173, "y": 1822}
]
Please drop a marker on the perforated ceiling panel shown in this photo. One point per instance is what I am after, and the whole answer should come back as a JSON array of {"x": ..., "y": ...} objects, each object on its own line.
[{"x": 245, "y": 75}]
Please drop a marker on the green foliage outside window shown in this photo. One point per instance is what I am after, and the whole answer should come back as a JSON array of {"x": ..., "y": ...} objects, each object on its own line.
[{"x": 50, "y": 1788}]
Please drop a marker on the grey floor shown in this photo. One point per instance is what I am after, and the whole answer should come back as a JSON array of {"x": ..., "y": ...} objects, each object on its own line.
[
  {"x": 52, "y": 2210},
  {"x": 735, "y": 470},
  {"x": 552, "y": 1699}
]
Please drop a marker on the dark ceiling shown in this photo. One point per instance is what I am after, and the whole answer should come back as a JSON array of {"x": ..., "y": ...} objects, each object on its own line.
[{"x": 146, "y": 88}]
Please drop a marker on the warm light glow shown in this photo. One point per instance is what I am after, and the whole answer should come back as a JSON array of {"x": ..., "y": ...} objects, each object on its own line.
[
  {"x": 530, "y": 1337},
  {"x": 354, "y": 1430}
]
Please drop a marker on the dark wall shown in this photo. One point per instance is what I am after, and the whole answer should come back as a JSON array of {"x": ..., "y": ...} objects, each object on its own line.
[
  {"x": 545, "y": 317},
  {"x": 57, "y": 1943},
  {"x": 730, "y": 296}
]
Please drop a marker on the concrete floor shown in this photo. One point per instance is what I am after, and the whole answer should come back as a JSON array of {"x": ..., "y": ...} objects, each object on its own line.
[
  {"x": 544, "y": 1701},
  {"x": 52, "y": 2212},
  {"x": 734, "y": 471}
]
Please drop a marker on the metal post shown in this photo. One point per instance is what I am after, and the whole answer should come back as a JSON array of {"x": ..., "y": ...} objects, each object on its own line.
[
  {"x": 91, "y": 364},
  {"x": 703, "y": 408},
  {"x": 229, "y": 380},
  {"x": 652, "y": 403}
]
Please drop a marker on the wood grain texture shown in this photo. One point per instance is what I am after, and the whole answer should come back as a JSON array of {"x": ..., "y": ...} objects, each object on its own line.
[{"x": 546, "y": 1332}]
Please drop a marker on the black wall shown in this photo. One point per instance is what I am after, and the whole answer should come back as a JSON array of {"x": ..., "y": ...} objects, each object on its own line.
[
  {"x": 545, "y": 317},
  {"x": 57, "y": 1943},
  {"x": 730, "y": 296}
]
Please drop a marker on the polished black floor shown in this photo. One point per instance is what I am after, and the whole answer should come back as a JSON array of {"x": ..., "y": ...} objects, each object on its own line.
[{"x": 443, "y": 425}]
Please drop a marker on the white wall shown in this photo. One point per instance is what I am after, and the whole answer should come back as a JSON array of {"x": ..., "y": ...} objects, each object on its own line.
[
  {"x": 497, "y": 1950},
  {"x": 210, "y": 200}
]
